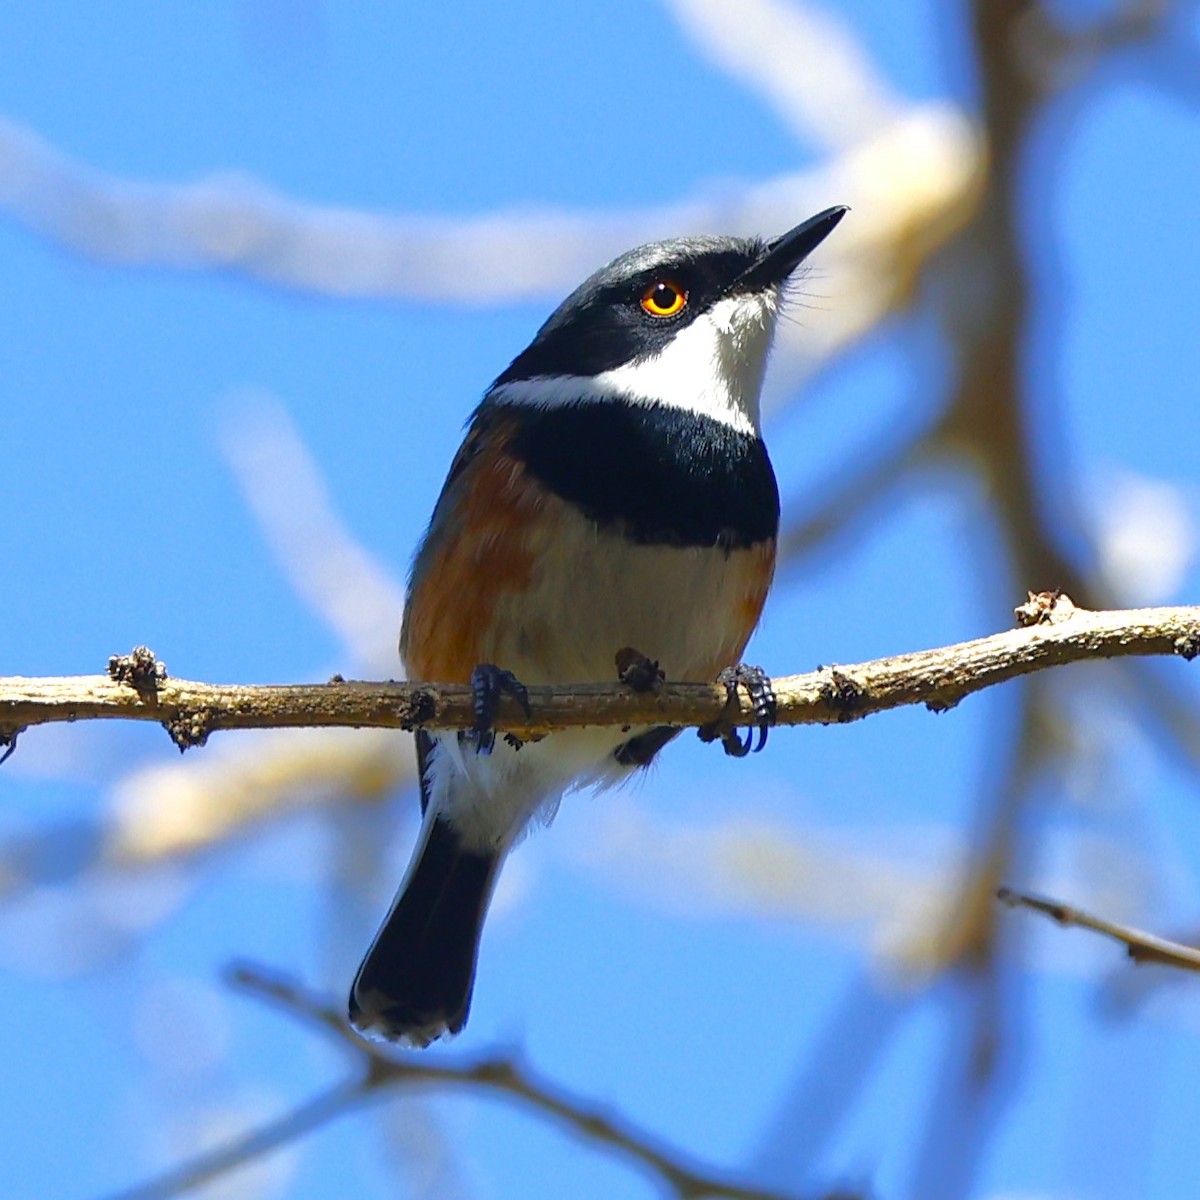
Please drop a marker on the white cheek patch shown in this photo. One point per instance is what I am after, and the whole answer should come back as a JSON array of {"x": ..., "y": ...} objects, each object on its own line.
[{"x": 713, "y": 367}]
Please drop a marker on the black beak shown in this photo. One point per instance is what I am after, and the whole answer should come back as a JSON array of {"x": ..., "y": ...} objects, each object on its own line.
[{"x": 786, "y": 253}]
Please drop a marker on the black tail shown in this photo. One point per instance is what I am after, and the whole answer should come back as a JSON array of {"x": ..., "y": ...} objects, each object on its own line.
[{"x": 415, "y": 983}]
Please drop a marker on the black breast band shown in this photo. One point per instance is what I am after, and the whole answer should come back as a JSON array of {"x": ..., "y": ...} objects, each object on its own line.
[{"x": 665, "y": 476}]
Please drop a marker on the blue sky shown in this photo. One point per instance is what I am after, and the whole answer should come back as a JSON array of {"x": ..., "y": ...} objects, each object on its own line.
[{"x": 681, "y": 950}]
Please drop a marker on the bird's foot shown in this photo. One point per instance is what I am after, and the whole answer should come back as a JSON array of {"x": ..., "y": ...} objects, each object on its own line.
[
  {"x": 638, "y": 672},
  {"x": 762, "y": 696},
  {"x": 489, "y": 683}
]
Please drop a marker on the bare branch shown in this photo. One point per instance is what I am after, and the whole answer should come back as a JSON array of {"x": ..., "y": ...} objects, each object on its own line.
[
  {"x": 840, "y": 100},
  {"x": 345, "y": 585},
  {"x": 925, "y": 161},
  {"x": 383, "y": 1069},
  {"x": 938, "y": 678},
  {"x": 844, "y": 501},
  {"x": 1141, "y": 947},
  {"x": 212, "y": 1165}
]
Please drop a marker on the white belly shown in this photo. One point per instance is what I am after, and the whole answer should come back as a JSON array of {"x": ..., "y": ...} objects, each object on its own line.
[
  {"x": 594, "y": 592},
  {"x": 590, "y": 594}
]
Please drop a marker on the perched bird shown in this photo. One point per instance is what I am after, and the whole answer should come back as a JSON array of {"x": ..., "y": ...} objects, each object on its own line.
[{"x": 612, "y": 491}]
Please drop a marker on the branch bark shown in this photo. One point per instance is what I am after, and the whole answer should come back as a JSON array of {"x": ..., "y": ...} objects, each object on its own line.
[
  {"x": 138, "y": 688},
  {"x": 1141, "y": 946}
]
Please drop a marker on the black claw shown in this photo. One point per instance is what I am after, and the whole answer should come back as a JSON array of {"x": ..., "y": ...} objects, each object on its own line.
[
  {"x": 733, "y": 745},
  {"x": 489, "y": 683},
  {"x": 762, "y": 697}
]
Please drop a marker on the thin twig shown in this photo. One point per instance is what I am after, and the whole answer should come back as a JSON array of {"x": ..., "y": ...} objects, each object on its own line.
[
  {"x": 204, "y": 1168},
  {"x": 1142, "y": 947},
  {"x": 386, "y": 1067},
  {"x": 842, "y": 503},
  {"x": 382, "y": 1069}
]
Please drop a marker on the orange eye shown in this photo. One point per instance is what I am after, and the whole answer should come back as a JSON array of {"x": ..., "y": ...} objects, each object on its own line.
[{"x": 663, "y": 298}]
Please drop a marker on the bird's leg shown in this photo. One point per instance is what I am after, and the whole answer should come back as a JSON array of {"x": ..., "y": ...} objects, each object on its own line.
[
  {"x": 489, "y": 683},
  {"x": 762, "y": 696}
]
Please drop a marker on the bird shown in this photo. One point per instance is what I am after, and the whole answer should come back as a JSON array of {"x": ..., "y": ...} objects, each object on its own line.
[{"x": 612, "y": 494}]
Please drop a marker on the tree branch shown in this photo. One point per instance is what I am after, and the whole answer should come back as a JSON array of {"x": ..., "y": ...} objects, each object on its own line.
[
  {"x": 383, "y": 1070},
  {"x": 204, "y": 1168},
  {"x": 1057, "y": 632},
  {"x": 1141, "y": 947}
]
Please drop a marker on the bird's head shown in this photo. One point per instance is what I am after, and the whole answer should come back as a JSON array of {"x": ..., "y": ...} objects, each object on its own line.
[{"x": 685, "y": 323}]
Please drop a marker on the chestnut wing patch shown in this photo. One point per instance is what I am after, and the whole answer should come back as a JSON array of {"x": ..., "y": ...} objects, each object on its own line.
[{"x": 477, "y": 549}]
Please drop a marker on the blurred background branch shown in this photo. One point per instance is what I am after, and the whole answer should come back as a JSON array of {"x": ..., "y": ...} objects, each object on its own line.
[{"x": 381, "y": 1069}]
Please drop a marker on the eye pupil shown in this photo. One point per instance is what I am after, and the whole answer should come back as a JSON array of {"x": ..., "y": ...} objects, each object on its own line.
[{"x": 663, "y": 298}]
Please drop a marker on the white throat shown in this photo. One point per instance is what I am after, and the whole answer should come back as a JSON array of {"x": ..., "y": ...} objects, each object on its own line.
[{"x": 713, "y": 367}]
